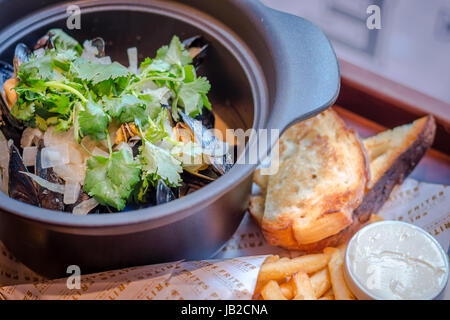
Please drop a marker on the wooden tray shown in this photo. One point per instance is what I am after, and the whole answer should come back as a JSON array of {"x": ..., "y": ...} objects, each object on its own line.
[{"x": 370, "y": 104}]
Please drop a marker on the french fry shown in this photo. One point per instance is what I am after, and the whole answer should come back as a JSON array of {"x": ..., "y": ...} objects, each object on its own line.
[
  {"x": 320, "y": 282},
  {"x": 303, "y": 289},
  {"x": 327, "y": 297},
  {"x": 272, "y": 291},
  {"x": 261, "y": 283},
  {"x": 375, "y": 218},
  {"x": 287, "y": 290},
  {"x": 329, "y": 292},
  {"x": 335, "y": 268},
  {"x": 283, "y": 269},
  {"x": 272, "y": 259}
]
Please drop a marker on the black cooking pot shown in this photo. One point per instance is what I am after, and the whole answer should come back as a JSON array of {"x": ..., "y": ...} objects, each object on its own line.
[{"x": 267, "y": 70}]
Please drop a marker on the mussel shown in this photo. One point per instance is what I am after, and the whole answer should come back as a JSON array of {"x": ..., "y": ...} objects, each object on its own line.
[
  {"x": 82, "y": 197},
  {"x": 6, "y": 72},
  {"x": 9, "y": 125},
  {"x": 164, "y": 194},
  {"x": 197, "y": 47},
  {"x": 45, "y": 42},
  {"x": 21, "y": 187},
  {"x": 207, "y": 118},
  {"x": 217, "y": 152},
  {"x": 22, "y": 55},
  {"x": 99, "y": 43},
  {"x": 48, "y": 199}
]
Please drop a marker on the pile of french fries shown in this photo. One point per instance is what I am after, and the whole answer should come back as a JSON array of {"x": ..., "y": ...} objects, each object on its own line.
[{"x": 310, "y": 277}]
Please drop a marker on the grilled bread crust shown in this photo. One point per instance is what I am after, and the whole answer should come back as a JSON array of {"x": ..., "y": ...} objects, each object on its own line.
[
  {"x": 393, "y": 155},
  {"x": 322, "y": 178}
]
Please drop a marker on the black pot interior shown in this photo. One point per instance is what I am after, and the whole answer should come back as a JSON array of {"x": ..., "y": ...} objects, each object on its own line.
[{"x": 231, "y": 93}]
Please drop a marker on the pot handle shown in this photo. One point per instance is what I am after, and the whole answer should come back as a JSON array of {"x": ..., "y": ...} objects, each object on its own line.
[{"x": 307, "y": 69}]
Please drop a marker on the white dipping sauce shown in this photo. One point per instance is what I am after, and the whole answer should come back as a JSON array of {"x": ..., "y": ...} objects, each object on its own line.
[{"x": 395, "y": 260}]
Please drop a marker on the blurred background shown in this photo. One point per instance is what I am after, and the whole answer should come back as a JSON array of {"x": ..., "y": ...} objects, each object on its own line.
[{"x": 411, "y": 48}]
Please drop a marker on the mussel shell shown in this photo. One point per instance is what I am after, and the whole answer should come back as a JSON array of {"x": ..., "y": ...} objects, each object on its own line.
[
  {"x": 99, "y": 43},
  {"x": 45, "y": 42},
  {"x": 198, "y": 48},
  {"x": 221, "y": 160},
  {"x": 10, "y": 126},
  {"x": 6, "y": 72},
  {"x": 22, "y": 55},
  {"x": 164, "y": 194},
  {"x": 82, "y": 197},
  {"x": 21, "y": 187},
  {"x": 207, "y": 118},
  {"x": 48, "y": 199}
]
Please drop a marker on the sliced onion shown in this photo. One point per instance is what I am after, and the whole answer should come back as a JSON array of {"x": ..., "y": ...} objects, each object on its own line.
[
  {"x": 104, "y": 60},
  {"x": 76, "y": 155},
  {"x": 59, "y": 188},
  {"x": 100, "y": 152},
  {"x": 132, "y": 59},
  {"x": 124, "y": 145},
  {"x": 56, "y": 155},
  {"x": 85, "y": 207},
  {"x": 71, "y": 192},
  {"x": 39, "y": 53},
  {"x": 29, "y": 156},
  {"x": 30, "y": 136},
  {"x": 71, "y": 172},
  {"x": 48, "y": 136},
  {"x": 89, "y": 51}
]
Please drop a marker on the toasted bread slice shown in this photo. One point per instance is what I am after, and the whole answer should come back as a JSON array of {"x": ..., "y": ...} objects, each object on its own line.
[
  {"x": 256, "y": 207},
  {"x": 322, "y": 178},
  {"x": 393, "y": 155},
  {"x": 261, "y": 180}
]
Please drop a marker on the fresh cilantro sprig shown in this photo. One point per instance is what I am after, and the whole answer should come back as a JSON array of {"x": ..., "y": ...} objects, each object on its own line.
[
  {"x": 111, "y": 180},
  {"x": 62, "y": 89}
]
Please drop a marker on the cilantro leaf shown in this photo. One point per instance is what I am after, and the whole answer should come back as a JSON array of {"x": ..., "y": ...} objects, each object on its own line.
[
  {"x": 59, "y": 103},
  {"x": 37, "y": 68},
  {"x": 111, "y": 180},
  {"x": 62, "y": 41},
  {"x": 23, "y": 111},
  {"x": 127, "y": 108},
  {"x": 158, "y": 163},
  {"x": 192, "y": 94},
  {"x": 96, "y": 72},
  {"x": 174, "y": 53},
  {"x": 157, "y": 129},
  {"x": 93, "y": 121}
]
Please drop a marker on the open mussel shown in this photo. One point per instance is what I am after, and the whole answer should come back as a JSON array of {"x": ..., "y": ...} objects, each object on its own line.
[
  {"x": 197, "y": 47},
  {"x": 48, "y": 199},
  {"x": 217, "y": 152},
  {"x": 10, "y": 126},
  {"x": 21, "y": 187},
  {"x": 45, "y": 42}
]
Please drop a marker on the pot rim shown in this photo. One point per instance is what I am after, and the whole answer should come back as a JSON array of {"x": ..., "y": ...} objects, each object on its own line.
[{"x": 177, "y": 209}]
